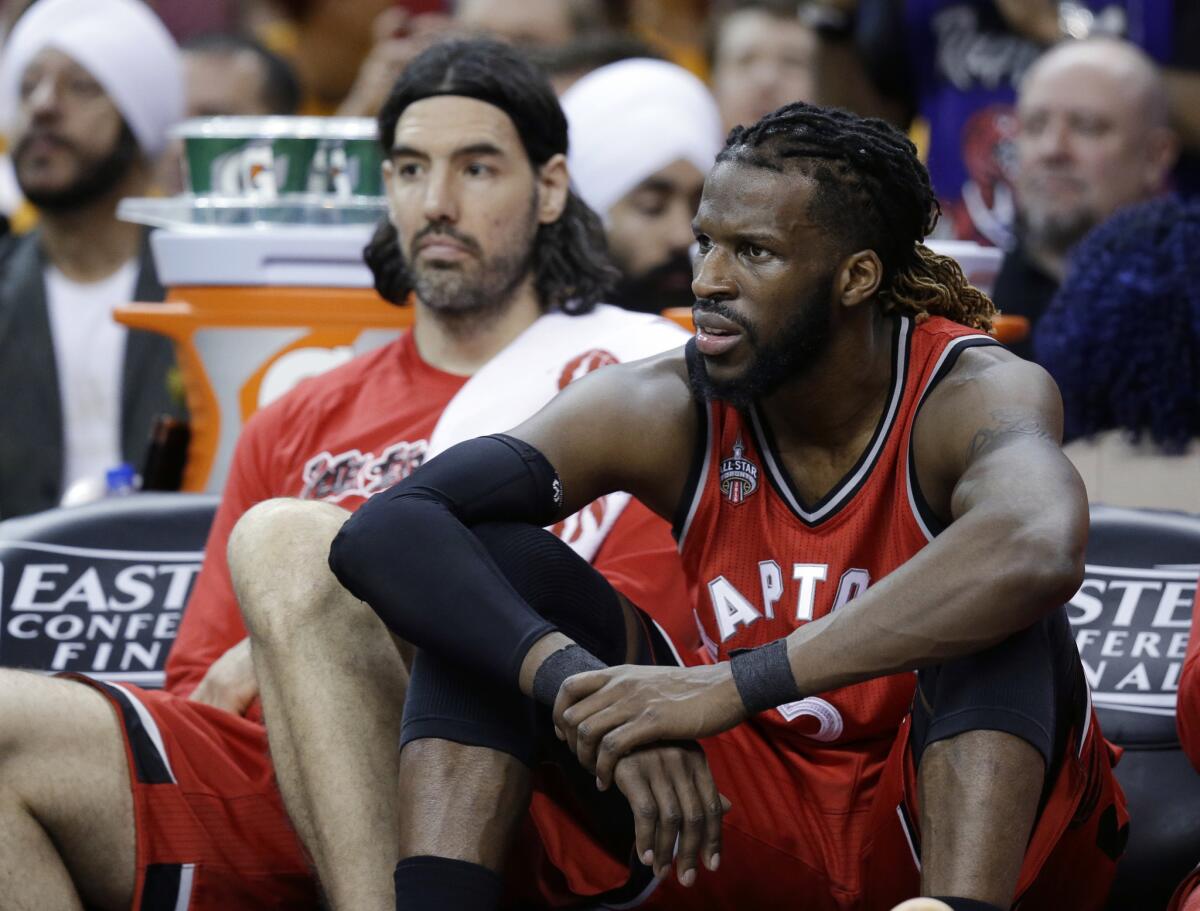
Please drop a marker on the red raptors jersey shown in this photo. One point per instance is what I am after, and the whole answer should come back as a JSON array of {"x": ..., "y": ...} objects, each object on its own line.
[{"x": 765, "y": 562}]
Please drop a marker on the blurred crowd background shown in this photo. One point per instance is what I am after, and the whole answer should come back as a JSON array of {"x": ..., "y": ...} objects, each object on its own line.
[{"x": 1039, "y": 120}]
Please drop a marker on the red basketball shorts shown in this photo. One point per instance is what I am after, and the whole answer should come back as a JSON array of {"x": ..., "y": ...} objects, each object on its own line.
[
  {"x": 833, "y": 830},
  {"x": 212, "y": 834}
]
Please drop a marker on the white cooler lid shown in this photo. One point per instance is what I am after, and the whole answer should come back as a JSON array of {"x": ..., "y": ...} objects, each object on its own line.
[
  {"x": 303, "y": 241},
  {"x": 314, "y": 257}
]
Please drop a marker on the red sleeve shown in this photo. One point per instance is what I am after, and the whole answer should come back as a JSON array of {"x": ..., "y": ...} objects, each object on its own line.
[
  {"x": 212, "y": 623},
  {"x": 640, "y": 559},
  {"x": 1187, "y": 711}
]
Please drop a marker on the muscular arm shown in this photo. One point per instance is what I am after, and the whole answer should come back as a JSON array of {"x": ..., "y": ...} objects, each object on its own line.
[{"x": 987, "y": 453}]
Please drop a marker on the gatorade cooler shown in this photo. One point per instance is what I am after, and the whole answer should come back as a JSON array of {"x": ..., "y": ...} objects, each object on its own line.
[{"x": 263, "y": 266}]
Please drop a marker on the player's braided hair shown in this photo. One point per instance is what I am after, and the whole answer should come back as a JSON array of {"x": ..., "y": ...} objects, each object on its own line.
[{"x": 873, "y": 193}]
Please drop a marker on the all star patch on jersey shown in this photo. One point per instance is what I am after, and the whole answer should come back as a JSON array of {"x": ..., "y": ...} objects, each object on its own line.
[{"x": 739, "y": 476}]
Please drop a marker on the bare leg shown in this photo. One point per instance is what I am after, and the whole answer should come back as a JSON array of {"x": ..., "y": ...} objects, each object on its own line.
[
  {"x": 66, "y": 813},
  {"x": 979, "y": 798},
  {"x": 461, "y": 802},
  {"x": 332, "y": 686}
]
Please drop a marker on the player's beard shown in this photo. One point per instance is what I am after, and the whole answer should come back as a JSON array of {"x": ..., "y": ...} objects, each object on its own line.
[
  {"x": 95, "y": 179},
  {"x": 472, "y": 294},
  {"x": 669, "y": 284},
  {"x": 787, "y": 356}
]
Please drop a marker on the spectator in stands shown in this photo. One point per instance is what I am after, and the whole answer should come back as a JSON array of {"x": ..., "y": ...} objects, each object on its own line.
[
  {"x": 762, "y": 57},
  {"x": 326, "y": 42},
  {"x": 1093, "y": 136},
  {"x": 546, "y": 28},
  {"x": 956, "y": 65},
  {"x": 90, "y": 88},
  {"x": 1122, "y": 340},
  {"x": 532, "y": 23},
  {"x": 232, "y": 74},
  {"x": 568, "y": 63},
  {"x": 646, "y": 190}
]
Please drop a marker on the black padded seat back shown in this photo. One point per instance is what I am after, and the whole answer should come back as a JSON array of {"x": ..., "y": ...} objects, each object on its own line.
[
  {"x": 1131, "y": 619},
  {"x": 100, "y": 589}
]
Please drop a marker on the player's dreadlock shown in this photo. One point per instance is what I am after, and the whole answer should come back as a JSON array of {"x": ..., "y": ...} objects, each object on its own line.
[{"x": 873, "y": 193}]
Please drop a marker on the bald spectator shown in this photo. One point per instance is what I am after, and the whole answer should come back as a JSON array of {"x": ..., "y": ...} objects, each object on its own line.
[
  {"x": 89, "y": 89},
  {"x": 763, "y": 57},
  {"x": 1092, "y": 137},
  {"x": 952, "y": 69},
  {"x": 645, "y": 190},
  {"x": 232, "y": 74}
]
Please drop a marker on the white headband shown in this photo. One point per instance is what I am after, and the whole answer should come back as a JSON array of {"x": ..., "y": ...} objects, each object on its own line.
[
  {"x": 121, "y": 43},
  {"x": 632, "y": 118}
]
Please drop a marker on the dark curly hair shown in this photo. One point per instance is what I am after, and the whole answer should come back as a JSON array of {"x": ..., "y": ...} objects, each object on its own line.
[
  {"x": 872, "y": 192},
  {"x": 572, "y": 271},
  {"x": 1122, "y": 336}
]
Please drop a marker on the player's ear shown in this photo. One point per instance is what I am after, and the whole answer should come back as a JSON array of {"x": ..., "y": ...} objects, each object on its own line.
[
  {"x": 858, "y": 278},
  {"x": 554, "y": 183}
]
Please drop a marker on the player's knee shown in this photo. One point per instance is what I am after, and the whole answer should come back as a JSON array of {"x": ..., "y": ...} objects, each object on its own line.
[{"x": 278, "y": 554}]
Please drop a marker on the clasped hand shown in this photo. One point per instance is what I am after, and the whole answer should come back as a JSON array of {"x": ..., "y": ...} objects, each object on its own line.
[{"x": 606, "y": 714}]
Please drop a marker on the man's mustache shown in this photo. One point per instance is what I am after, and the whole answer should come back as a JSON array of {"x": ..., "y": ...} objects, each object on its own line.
[
  {"x": 718, "y": 308},
  {"x": 48, "y": 136},
  {"x": 445, "y": 230}
]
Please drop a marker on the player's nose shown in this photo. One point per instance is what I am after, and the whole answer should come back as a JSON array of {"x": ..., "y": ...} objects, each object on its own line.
[{"x": 711, "y": 275}]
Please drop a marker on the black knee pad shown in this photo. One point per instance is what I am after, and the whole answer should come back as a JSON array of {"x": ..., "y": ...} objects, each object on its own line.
[
  {"x": 1030, "y": 685},
  {"x": 559, "y": 585},
  {"x": 450, "y": 702}
]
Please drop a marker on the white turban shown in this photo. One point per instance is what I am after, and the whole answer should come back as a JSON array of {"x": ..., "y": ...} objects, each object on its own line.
[
  {"x": 630, "y": 119},
  {"x": 121, "y": 43}
]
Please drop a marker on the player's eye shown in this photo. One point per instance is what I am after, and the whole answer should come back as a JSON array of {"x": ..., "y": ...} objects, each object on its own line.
[
  {"x": 754, "y": 251},
  {"x": 703, "y": 243},
  {"x": 478, "y": 169},
  {"x": 408, "y": 169}
]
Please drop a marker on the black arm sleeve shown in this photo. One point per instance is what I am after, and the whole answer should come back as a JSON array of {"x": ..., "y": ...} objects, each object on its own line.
[{"x": 410, "y": 554}]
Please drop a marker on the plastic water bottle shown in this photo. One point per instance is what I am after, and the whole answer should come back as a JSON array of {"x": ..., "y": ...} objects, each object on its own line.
[{"x": 120, "y": 481}]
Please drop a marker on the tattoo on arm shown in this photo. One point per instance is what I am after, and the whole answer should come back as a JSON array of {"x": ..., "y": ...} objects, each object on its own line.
[{"x": 1009, "y": 425}]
